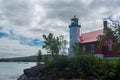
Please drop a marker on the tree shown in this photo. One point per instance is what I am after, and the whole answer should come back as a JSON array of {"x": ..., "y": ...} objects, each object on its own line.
[
  {"x": 39, "y": 57},
  {"x": 111, "y": 33},
  {"x": 108, "y": 34},
  {"x": 52, "y": 44},
  {"x": 116, "y": 27},
  {"x": 77, "y": 50},
  {"x": 63, "y": 44}
]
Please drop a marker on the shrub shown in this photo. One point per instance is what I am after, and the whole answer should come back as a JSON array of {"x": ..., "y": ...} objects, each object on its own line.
[{"x": 86, "y": 67}]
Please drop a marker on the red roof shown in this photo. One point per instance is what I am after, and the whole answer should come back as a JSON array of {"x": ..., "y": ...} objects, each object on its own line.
[{"x": 90, "y": 36}]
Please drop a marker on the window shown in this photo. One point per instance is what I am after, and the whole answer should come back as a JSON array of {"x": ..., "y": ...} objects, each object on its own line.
[
  {"x": 92, "y": 48},
  {"x": 110, "y": 47},
  {"x": 84, "y": 48},
  {"x": 72, "y": 22}
]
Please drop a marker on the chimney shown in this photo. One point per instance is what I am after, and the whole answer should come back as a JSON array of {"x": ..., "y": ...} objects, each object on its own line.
[{"x": 105, "y": 24}]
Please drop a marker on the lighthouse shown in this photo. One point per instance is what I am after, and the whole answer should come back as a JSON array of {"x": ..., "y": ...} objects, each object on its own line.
[{"x": 74, "y": 34}]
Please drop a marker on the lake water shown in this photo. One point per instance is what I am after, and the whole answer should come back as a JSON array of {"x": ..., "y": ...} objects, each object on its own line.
[{"x": 12, "y": 70}]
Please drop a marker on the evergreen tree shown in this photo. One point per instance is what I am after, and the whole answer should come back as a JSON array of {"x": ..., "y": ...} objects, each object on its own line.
[{"x": 39, "y": 57}]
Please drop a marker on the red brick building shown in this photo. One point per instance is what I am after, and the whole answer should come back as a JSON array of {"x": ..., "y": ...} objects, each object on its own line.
[{"x": 89, "y": 44}]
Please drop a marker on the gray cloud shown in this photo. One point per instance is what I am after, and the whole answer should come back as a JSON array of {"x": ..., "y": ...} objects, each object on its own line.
[
  {"x": 89, "y": 12},
  {"x": 17, "y": 12},
  {"x": 65, "y": 9},
  {"x": 84, "y": 9},
  {"x": 37, "y": 17}
]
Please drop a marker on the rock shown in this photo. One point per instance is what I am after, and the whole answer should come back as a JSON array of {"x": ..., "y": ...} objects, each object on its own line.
[
  {"x": 41, "y": 73},
  {"x": 22, "y": 77},
  {"x": 27, "y": 72},
  {"x": 35, "y": 71}
]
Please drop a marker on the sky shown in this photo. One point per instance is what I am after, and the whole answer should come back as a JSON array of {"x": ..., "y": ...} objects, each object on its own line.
[{"x": 23, "y": 22}]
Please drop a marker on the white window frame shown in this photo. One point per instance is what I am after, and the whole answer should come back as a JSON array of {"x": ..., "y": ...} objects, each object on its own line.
[
  {"x": 110, "y": 47},
  {"x": 84, "y": 48},
  {"x": 92, "y": 48}
]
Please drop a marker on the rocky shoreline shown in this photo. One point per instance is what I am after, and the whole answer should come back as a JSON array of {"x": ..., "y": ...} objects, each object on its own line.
[
  {"x": 34, "y": 73},
  {"x": 39, "y": 73}
]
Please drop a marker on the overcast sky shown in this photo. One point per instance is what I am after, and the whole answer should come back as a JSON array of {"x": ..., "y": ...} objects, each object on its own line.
[{"x": 23, "y": 22}]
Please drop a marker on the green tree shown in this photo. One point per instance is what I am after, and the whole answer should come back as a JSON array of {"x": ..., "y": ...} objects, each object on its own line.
[
  {"x": 63, "y": 44},
  {"x": 111, "y": 33},
  {"x": 108, "y": 34},
  {"x": 77, "y": 50},
  {"x": 52, "y": 44},
  {"x": 116, "y": 27},
  {"x": 39, "y": 57}
]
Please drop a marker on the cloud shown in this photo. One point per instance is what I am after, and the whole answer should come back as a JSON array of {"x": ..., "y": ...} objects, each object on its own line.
[
  {"x": 16, "y": 11},
  {"x": 30, "y": 42},
  {"x": 65, "y": 9},
  {"x": 12, "y": 48},
  {"x": 21, "y": 38},
  {"x": 25, "y": 21}
]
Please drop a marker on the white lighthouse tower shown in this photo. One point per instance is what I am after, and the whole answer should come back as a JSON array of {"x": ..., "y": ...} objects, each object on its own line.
[{"x": 74, "y": 34}]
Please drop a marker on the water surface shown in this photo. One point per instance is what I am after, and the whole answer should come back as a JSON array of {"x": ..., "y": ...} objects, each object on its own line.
[{"x": 12, "y": 70}]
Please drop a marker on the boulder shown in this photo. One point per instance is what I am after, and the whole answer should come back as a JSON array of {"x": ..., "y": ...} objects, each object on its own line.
[{"x": 22, "y": 77}]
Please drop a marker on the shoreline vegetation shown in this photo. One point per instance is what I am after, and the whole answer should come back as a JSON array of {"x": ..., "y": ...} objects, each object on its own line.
[
  {"x": 82, "y": 67},
  {"x": 25, "y": 59}
]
